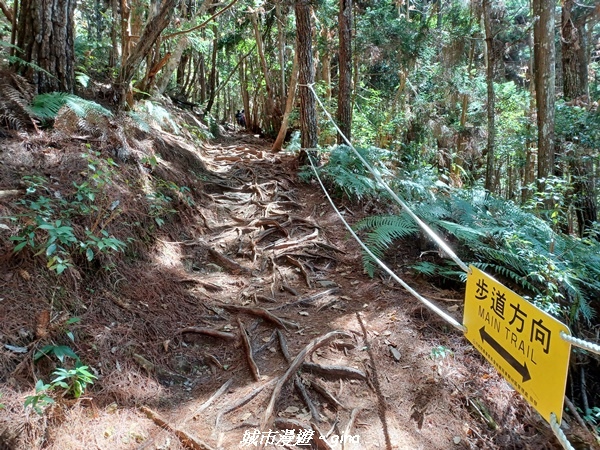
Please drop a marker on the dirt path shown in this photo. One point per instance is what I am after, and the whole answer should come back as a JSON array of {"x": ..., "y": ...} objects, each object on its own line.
[{"x": 268, "y": 254}]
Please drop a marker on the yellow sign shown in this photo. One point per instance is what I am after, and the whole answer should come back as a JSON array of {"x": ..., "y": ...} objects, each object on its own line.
[{"x": 520, "y": 340}]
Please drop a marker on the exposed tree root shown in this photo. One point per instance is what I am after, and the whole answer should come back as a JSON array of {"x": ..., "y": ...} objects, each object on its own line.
[
  {"x": 248, "y": 350},
  {"x": 186, "y": 440},
  {"x": 349, "y": 425},
  {"x": 241, "y": 402},
  {"x": 261, "y": 312},
  {"x": 335, "y": 371},
  {"x": 294, "y": 366},
  {"x": 323, "y": 392},
  {"x": 314, "y": 412},
  {"x": 208, "y": 332},
  {"x": 228, "y": 263},
  {"x": 308, "y": 300}
]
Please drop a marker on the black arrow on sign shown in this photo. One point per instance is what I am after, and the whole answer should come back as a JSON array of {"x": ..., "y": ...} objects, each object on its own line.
[{"x": 520, "y": 368}]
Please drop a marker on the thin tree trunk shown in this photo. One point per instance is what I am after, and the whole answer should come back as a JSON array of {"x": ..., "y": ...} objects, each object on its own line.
[
  {"x": 289, "y": 105},
  {"x": 202, "y": 78},
  {"x": 530, "y": 156},
  {"x": 269, "y": 108},
  {"x": 149, "y": 36},
  {"x": 212, "y": 78},
  {"x": 6, "y": 10},
  {"x": 344, "y": 111},
  {"x": 114, "y": 32},
  {"x": 544, "y": 58},
  {"x": 491, "y": 98},
  {"x": 171, "y": 66},
  {"x": 306, "y": 75},
  {"x": 13, "y": 30},
  {"x": 281, "y": 39},
  {"x": 245, "y": 95},
  {"x": 326, "y": 62}
]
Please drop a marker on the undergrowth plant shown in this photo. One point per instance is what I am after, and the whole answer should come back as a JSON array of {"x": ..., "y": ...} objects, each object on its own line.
[
  {"x": 346, "y": 173},
  {"x": 70, "y": 381},
  {"x": 47, "y": 218}
]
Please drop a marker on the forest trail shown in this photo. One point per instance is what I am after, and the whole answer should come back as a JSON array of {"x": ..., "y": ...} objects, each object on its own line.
[{"x": 266, "y": 252}]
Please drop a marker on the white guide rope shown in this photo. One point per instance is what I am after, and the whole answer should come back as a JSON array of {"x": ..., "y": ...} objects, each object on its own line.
[{"x": 422, "y": 299}]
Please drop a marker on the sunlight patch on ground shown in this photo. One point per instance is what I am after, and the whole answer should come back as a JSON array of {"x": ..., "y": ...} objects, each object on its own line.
[{"x": 167, "y": 254}]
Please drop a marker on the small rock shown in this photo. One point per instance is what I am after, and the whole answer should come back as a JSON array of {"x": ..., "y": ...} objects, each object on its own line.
[
  {"x": 395, "y": 353},
  {"x": 456, "y": 440}
]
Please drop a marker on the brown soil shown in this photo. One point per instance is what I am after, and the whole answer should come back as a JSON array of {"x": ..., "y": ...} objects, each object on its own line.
[{"x": 256, "y": 239}]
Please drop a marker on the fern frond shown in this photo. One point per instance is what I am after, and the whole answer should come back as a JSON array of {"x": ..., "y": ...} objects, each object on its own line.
[{"x": 47, "y": 106}]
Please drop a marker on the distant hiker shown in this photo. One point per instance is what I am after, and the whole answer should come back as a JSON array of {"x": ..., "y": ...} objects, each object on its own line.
[{"x": 240, "y": 118}]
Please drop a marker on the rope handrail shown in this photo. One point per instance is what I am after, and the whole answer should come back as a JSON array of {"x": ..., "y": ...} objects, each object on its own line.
[
  {"x": 438, "y": 240},
  {"x": 594, "y": 348},
  {"x": 451, "y": 320}
]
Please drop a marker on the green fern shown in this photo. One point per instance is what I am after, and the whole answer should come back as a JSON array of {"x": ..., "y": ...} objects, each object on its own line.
[
  {"x": 149, "y": 113},
  {"x": 499, "y": 237},
  {"x": 385, "y": 230},
  {"x": 47, "y": 106},
  {"x": 345, "y": 172}
]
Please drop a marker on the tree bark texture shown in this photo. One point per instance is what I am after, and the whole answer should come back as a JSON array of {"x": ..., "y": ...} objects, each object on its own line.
[
  {"x": 544, "y": 74},
  {"x": 491, "y": 98},
  {"x": 344, "y": 111},
  {"x": 574, "y": 60},
  {"x": 306, "y": 75},
  {"x": 46, "y": 35}
]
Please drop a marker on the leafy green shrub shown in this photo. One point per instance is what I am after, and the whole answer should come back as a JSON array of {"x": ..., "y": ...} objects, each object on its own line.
[
  {"x": 73, "y": 381},
  {"x": 47, "y": 219}
]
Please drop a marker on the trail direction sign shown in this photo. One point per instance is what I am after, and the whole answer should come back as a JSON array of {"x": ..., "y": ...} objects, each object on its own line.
[{"x": 520, "y": 340}]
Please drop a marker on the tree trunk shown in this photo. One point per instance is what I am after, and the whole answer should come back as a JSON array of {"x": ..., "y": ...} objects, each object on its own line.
[
  {"x": 575, "y": 85},
  {"x": 344, "y": 111},
  {"x": 114, "y": 32},
  {"x": 45, "y": 34},
  {"x": 212, "y": 78},
  {"x": 544, "y": 73},
  {"x": 584, "y": 192},
  {"x": 271, "y": 121},
  {"x": 306, "y": 75},
  {"x": 151, "y": 33},
  {"x": 491, "y": 99},
  {"x": 244, "y": 93},
  {"x": 574, "y": 60},
  {"x": 289, "y": 105},
  {"x": 172, "y": 65},
  {"x": 281, "y": 39},
  {"x": 325, "y": 60}
]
